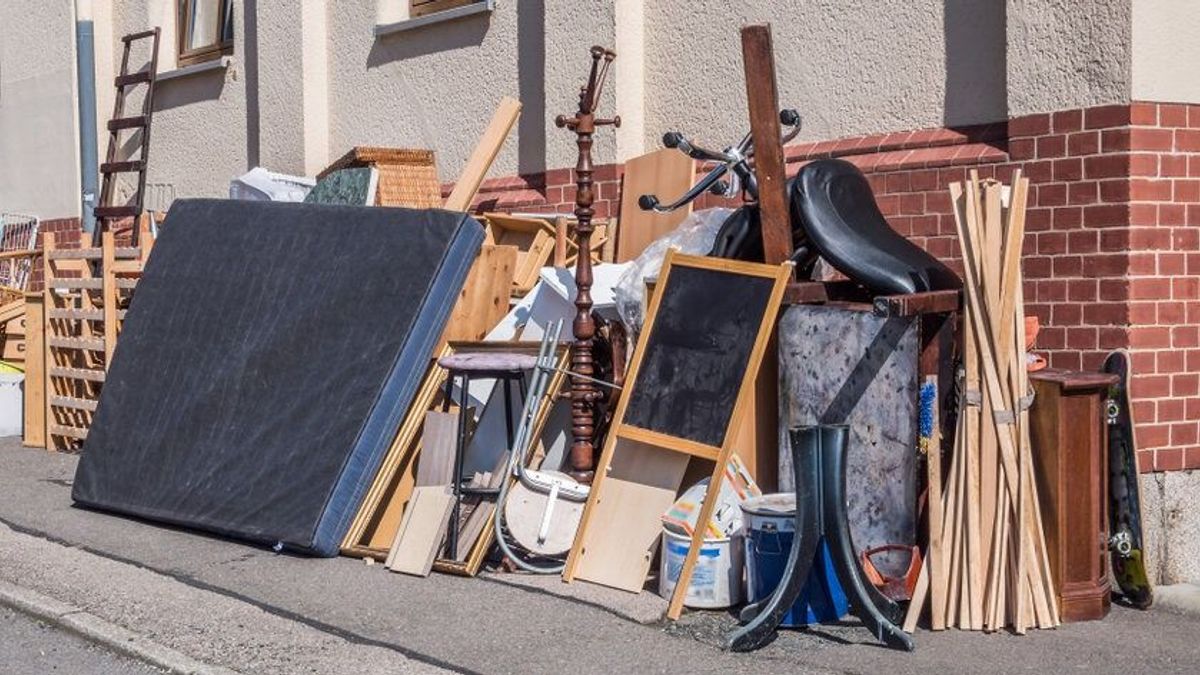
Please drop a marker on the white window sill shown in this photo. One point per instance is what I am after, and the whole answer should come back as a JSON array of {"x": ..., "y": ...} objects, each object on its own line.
[
  {"x": 197, "y": 68},
  {"x": 437, "y": 17}
]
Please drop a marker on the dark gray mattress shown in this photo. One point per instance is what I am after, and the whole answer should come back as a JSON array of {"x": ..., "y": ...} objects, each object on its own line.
[{"x": 266, "y": 363}]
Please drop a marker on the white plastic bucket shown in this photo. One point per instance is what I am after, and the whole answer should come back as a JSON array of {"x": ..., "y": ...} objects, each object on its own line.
[
  {"x": 11, "y": 404},
  {"x": 716, "y": 578}
]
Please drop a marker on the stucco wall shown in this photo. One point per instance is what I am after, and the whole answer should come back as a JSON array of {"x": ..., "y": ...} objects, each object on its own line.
[
  {"x": 1066, "y": 54},
  {"x": 848, "y": 67},
  {"x": 199, "y": 137},
  {"x": 437, "y": 86},
  {"x": 1166, "y": 50},
  {"x": 39, "y": 147}
]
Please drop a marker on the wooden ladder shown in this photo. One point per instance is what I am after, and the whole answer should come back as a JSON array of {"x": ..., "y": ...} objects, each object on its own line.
[{"x": 113, "y": 165}]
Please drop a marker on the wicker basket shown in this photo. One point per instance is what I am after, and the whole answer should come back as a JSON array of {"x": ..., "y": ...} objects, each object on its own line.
[{"x": 406, "y": 177}]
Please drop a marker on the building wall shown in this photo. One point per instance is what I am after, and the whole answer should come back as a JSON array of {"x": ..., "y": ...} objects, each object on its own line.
[
  {"x": 1067, "y": 54},
  {"x": 39, "y": 146},
  {"x": 1166, "y": 54},
  {"x": 849, "y": 68},
  {"x": 199, "y": 138}
]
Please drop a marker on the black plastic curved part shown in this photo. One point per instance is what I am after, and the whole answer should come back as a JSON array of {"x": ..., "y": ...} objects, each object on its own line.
[
  {"x": 719, "y": 188},
  {"x": 789, "y": 117},
  {"x": 671, "y": 139},
  {"x": 647, "y": 202},
  {"x": 832, "y": 201},
  {"x": 877, "y": 613},
  {"x": 762, "y": 618}
]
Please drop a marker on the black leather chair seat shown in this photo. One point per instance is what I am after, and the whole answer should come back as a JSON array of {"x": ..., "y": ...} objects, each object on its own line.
[{"x": 834, "y": 203}]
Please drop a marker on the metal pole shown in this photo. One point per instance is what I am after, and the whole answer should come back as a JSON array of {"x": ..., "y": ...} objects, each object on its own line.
[{"x": 85, "y": 69}]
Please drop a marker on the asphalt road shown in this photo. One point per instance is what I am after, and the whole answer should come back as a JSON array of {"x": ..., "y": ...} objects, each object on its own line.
[
  {"x": 246, "y": 608},
  {"x": 29, "y": 646}
]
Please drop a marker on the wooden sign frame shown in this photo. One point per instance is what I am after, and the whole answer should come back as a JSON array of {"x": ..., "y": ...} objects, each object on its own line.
[{"x": 663, "y": 455}]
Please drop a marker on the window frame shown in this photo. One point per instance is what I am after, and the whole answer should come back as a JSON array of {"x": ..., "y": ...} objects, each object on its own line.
[
  {"x": 420, "y": 8},
  {"x": 212, "y": 52}
]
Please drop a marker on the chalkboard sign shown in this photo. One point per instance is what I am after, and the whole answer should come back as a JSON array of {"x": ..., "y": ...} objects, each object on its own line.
[{"x": 697, "y": 353}]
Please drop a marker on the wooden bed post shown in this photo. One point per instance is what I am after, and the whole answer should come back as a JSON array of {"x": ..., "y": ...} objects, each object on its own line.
[{"x": 583, "y": 393}]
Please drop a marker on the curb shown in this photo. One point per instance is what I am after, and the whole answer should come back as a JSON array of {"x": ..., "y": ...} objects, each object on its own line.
[
  {"x": 102, "y": 632},
  {"x": 1178, "y": 598}
]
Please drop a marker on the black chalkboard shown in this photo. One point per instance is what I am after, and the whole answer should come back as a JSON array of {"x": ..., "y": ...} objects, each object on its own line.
[{"x": 697, "y": 353}]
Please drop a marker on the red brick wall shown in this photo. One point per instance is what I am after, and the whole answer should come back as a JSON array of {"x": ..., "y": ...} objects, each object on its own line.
[{"x": 1112, "y": 257}]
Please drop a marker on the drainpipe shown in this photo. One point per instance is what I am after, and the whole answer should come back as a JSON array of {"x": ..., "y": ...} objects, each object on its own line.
[{"x": 85, "y": 67}]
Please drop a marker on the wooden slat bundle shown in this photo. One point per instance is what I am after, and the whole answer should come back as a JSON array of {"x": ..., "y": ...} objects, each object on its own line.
[{"x": 989, "y": 569}]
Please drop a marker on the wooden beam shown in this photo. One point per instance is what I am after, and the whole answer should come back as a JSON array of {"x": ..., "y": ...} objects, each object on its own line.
[{"x": 762, "y": 94}]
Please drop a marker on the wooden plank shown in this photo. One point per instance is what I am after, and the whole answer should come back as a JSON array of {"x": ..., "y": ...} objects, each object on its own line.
[
  {"x": 762, "y": 94},
  {"x": 617, "y": 538},
  {"x": 34, "y": 434},
  {"x": 483, "y": 300},
  {"x": 74, "y": 433},
  {"x": 78, "y": 284},
  {"x": 484, "y": 154},
  {"x": 421, "y": 531},
  {"x": 436, "y": 463},
  {"x": 73, "y": 403},
  {"x": 76, "y": 314},
  {"x": 85, "y": 374},
  {"x": 668, "y": 442},
  {"x": 108, "y": 246},
  {"x": 666, "y": 173},
  {"x": 92, "y": 344}
]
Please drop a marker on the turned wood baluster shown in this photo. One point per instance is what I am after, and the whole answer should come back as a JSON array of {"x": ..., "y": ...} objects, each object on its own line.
[{"x": 584, "y": 393}]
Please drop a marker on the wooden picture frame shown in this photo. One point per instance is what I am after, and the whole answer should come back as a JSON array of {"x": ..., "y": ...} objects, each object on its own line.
[{"x": 619, "y": 531}]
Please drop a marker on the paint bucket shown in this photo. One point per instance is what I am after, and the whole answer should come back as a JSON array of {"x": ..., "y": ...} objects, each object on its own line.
[
  {"x": 12, "y": 401},
  {"x": 716, "y": 578},
  {"x": 769, "y": 529}
]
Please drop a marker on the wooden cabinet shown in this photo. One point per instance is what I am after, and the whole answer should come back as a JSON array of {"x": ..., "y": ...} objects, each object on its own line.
[{"x": 1070, "y": 452}]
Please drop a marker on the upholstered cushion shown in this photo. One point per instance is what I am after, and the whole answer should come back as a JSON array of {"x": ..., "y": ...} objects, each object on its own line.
[{"x": 488, "y": 362}]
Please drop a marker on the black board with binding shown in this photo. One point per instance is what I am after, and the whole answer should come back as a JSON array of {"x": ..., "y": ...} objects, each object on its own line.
[{"x": 700, "y": 343}]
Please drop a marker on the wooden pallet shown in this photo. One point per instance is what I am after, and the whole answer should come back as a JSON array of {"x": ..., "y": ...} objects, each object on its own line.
[{"x": 87, "y": 293}]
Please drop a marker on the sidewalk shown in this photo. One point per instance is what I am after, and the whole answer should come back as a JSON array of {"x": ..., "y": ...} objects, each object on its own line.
[{"x": 245, "y": 608}]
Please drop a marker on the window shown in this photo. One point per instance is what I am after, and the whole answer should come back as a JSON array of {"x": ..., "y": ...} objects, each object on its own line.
[
  {"x": 205, "y": 29},
  {"x": 423, "y": 7}
]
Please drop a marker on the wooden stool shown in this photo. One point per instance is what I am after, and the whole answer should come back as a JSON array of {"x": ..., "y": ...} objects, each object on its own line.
[{"x": 504, "y": 368}]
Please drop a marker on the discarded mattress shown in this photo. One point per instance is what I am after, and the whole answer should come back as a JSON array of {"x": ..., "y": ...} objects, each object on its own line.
[{"x": 266, "y": 363}]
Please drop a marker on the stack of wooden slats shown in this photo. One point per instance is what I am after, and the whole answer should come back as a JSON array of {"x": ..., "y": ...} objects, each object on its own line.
[{"x": 987, "y": 564}]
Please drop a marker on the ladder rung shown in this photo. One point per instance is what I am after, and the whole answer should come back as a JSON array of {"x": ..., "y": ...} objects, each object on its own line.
[
  {"x": 128, "y": 123},
  {"x": 83, "y": 314},
  {"x": 140, "y": 36},
  {"x": 123, "y": 167},
  {"x": 133, "y": 78},
  {"x": 91, "y": 284},
  {"x": 78, "y": 374},
  {"x": 123, "y": 282},
  {"x": 69, "y": 432},
  {"x": 75, "y": 254},
  {"x": 72, "y": 402},
  {"x": 117, "y": 211},
  {"x": 127, "y": 253},
  {"x": 93, "y": 344}
]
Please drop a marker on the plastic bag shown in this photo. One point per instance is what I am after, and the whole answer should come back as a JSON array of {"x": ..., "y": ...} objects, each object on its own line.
[{"x": 694, "y": 236}]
